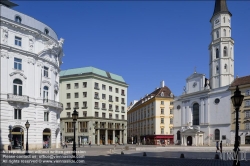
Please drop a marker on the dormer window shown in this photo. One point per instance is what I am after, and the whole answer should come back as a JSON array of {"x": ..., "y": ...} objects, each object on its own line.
[
  {"x": 18, "y": 19},
  {"x": 46, "y": 31},
  {"x": 162, "y": 94}
]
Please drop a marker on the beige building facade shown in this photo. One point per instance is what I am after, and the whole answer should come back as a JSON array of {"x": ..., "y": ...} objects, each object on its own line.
[
  {"x": 150, "y": 120},
  {"x": 244, "y": 113},
  {"x": 100, "y": 99}
]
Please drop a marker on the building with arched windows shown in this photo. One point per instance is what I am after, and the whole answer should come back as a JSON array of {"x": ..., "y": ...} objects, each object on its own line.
[
  {"x": 202, "y": 113},
  {"x": 30, "y": 60}
]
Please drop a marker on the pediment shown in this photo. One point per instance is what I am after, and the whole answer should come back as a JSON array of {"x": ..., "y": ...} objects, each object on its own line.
[
  {"x": 195, "y": 75},
  {"x": 191, "y": 131},
  {"x": 19, "y": 73}
]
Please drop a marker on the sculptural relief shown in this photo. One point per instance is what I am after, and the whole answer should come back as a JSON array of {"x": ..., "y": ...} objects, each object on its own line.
[{"x": 5, "y": 35}]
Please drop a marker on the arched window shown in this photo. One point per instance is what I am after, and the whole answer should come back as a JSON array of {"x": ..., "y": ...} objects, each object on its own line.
[
  {"x": 217, "y": 34},
  {"x": 224, "y": 19},
  {"x": 18, "y": 19},
  {"x": 217, "y": 134},
  {"x": 17, "y": 87},
  {"x": 231, "y": 52},
  {"x": 46, "y": 31},
  {"x": 45, "y": 92},
  {"x": 217, "y": 69},
  {"x": 196, "y": 114},
  {"x": 225, "y": 66},
  {"x": 225, "y": 33},
  {"x": 217, "y": 53},
  {"x": 225, "y": 51}
]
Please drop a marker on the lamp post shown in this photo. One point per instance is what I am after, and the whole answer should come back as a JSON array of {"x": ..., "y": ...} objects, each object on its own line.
[
  {"x": 74, "y": 117},
  {"x": 27, "y": 125},
  {"x": 21, "y": 131},
  {"x": 237, "y": 99},
  {"x": 10, "y": 136}
]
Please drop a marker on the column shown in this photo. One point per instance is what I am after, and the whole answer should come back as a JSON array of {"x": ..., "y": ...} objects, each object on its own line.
[
  {"x": 182, "y": 140},
  {"x": 113, "y": 136},
  {"x": 196, "y": 140},
  {"x": 98, "y": 136},
  {"x": 183, "y": 115},
  {"x": 120, "y": 137},
  {"x": 106, "y": 137}
]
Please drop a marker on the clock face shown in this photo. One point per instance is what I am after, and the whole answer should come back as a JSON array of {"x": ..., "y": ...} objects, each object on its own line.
[{"x": 194, "y": 85}]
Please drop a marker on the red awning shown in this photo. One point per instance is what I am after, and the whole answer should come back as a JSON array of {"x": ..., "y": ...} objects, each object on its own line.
[{"x": 164, "y": 137}]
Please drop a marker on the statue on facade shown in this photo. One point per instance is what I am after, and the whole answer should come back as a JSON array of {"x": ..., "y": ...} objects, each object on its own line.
[{"x": 5, "y": 36}]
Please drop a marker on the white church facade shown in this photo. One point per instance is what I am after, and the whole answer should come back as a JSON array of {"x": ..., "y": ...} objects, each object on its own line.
[
  {"x": 202, "y": 113},
  {"x": 30, "y": 59}
]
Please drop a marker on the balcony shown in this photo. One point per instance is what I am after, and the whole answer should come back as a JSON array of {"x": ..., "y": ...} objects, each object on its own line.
[
  {"x": 84, "y": 107},
  {"x": 97, "y": 88},
  {"x": 104, "y": 109},
  {"x": 123, "y": 111},
  {"x": 110, "y": 100},
  {"x": 12, "y": 97},
  {"x": 123, "y": 102},
  {"x": 52, "y": 103},
  {"x": 116, "y": 110},
  {"x": 110, "y": 109},
  {"x": 96, "y": 97},
  {"x": 84, "y": 130},
  {"x": 96, "y": 107}
]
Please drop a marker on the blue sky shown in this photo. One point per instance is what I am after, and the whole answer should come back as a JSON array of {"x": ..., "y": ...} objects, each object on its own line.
[{"x": 143, "y": 41}]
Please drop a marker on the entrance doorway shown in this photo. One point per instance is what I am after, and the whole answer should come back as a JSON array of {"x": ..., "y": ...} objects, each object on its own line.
[
  {"x": 247, "y": 140},
  {"x": 46, "y": 138},
  {"x": 17, "y": 138},
  {"x": 189, "y": 141}
]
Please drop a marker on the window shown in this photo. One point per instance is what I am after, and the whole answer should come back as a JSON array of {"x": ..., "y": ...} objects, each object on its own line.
[
  {"x": 162, "y": 120},
  {"x": 116, "y": 108},
  {"x": 76, "y": 95},
  {"x": 103, "y": 87},
  {"x": 123, "y": 101},
  {"x": 162, "y": 102},
  {"x": 68, "y": 114},
  {"x": 178, "y": 135},
  {"x": 84, "y": 104},
  {"x": 116, "y": 116},
  {"x": 217, "y": 34},
  {"x": 96, "y": 105},
  {"x": 116, "y": 90},
  {"x": 217, "y": 134},
  {"x": 225, "y": 66},
  {"x": 84, "y": 94},
  {"x": 196, "y": 115},
  {"x": 45, "y": 92},
  {"x": 171, "y": 120},
  {"x": 68, "y": 95},
  {"x": 46, "y": 31},
  {"x": 83, "y": 126},
  {"x": 96, "y": 114},
  {"x": 224, "y": 19},
  {"x": 68, "y": 86},
  {"x": 76, "y": 105},
  {"x": 76, "y": 86},
  {"x": 217, "y": 53},
  {"x": 123, "y": 117},
  {"x": 225, "y": 32},
  {"x": 69, "y": 127},
  {"x": 103, "y": 96},
  {"x": 217, "y": 69},
  {"x": 117, "y": 99},
  {"x": 17, "y": 114},
  {"x": 84, "y": 84},
  {"x": 110, "y": 98},
  {"x": 171, "y": 111},
  {"x": 110, "y": 106},
  {"x": 225, "y": 51},
  {"x": 17, "y": 64},
  {"x": 46, "y": 116},
  {"x": 123, "y": 93},
  {"x": 17, "y": 87},
  {"x": 247, "y": 103},
  {"x": 247, "y": 93},
  {"x": 248, "y": 126},
  {"x": 162, "y": 130},
  {"x": 103, "y": 106},
  {"x": 96, "y": 95},
  {"x": 171, "y": 130},
  {"x": 68, "y": 105},
  {"x": 110, "y": 88},
  {"x": 103, "y": 115},
  {"x": 18, "y": 41},
  {"x": 162, "y": 111},
  {"x": 96, "y": 86},
  {"x": 45, "y": 71},
  {"x": 110, "y": 115},
  {"x": 123, "y": 110},
  {"x": 84, "y": 113},
  {"x": 18, "y": 19}
]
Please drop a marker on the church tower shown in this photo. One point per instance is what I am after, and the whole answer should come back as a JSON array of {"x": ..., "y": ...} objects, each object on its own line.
[{"x": 221, "y": 58}]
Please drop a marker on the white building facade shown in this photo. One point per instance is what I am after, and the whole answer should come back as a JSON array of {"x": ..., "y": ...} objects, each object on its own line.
[
  {"x": 29, "y": 74},
  {"x": 202, "y": 113}
]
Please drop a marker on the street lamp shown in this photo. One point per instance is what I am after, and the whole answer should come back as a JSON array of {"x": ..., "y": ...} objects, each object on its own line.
[
  {"x": 74, "y": 117},
  {"x": 27, "y": 125},
  {"x": 10, "y": 136},
  {"x": 21, "y": 131},
  {"x": 237, "y": 99}
]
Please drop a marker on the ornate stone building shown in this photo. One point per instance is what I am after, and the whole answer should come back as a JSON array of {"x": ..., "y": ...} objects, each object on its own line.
[{"x": 31, "y": 55}]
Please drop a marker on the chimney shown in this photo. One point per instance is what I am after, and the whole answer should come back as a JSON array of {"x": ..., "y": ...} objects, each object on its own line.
[{"x": 162, "y": 84}]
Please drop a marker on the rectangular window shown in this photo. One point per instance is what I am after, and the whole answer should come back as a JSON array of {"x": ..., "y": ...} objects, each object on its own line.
[
  {"x": 123, "y": 93},
  {"x": 68, "y": 114},
  {"x": 162, "y": 111},
  {"x": 103, "y": 106},
  {"x": 247, "y": 93},
  {"x": 83, "y": 126},
  {"x": 68, "y": 95},
  {"x": 84, "y": 113},
  {"x": 162, "y": 120},
  {"x": 247, "y": 103},
  {"x": 162, "y": 102},
  {"x": 123, "y": 117},
  {"x": 117, "y": 99},
  {"x": 162, "y": 130},
  {"x": 46, "y": 116},
  {"x": 171, "y": 130},
  {"x": 171, "y": 120},
  {"x": 84, "y": 84},
  {"x": 171, "y": 103},
  {"x": 248, "y": 114},
  {"x": 103, "y": 96},
  {"x": 123, "y": 101},
  {"x": 68, "y": 86},
  {"x": 96, "y": 105},
  {"x": 116, "y": 116},
  {"x": 110, "y": 106},
  {"x": 103, "y": 115},
  {"x": 18, "y": 41},
  {"x": 68, "y": 105},
  {"x": 76, "y": 95},
  {"x": 96, "y": 114},
  {"x": 84, "y": 94},
  {"x": 123, "y": 110},
  {"x": 69, "y": 127},
  {"x": 45, "y": 71},
  {"x": 110, "y": 88},
  {"x": 17, "y": 64},
  {"x": 110, "y": 115},
  {"x": 110, "y": 98},
  {"x": 76, "y": 86},
  {"x": 76, "y": 105},
  {"x": 248, "y": 126},
  {"x": 171, "y": 111},
  {"x": 103, "y": 87},
  {"x": 116, "y": 108},
  {"x": 116, "y": 90},
  {"x": 96, "y": 95},
  {"x": 84, "y": 104},
  {"x": 17, "y": 114},
  {"x": 96, "y": 86}
]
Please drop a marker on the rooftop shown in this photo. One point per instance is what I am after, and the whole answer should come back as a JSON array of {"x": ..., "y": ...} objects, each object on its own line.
[
  {"x": 241, "y": 81},
  {"x": 85, "y": 70}
]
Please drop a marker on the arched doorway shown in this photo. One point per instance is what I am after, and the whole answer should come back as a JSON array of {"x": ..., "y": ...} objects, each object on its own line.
[
  {"x": 17, "y": 138},
  {"x": 46, "y": 138},
  {"x": 189, "y": 141}
]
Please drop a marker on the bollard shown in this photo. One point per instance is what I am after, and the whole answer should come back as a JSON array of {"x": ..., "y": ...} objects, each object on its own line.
[
  {"x": 216, "y": 156},
  {"x": 182, "y": 156},
  {"x": 144, "y": 154},
  {"x": 122, "y": 153}
]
